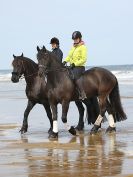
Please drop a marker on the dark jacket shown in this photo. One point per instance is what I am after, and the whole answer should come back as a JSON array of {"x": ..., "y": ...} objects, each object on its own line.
[{"x": 58, "y": 53}]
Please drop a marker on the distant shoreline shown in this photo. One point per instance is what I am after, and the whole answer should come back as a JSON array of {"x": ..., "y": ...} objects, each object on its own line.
[{"x": 106, "y": 66}]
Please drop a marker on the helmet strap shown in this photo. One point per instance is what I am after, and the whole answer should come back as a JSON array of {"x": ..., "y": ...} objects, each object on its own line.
[{"x": 77, "y": 42}]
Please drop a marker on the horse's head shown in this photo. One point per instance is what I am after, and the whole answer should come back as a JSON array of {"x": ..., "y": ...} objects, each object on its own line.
[
  {"x": 18, "y": 68},
  {"x": 43, "y": 58}
]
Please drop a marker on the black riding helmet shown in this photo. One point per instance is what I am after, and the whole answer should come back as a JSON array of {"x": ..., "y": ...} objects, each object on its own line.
[
  {"x": 76, "y": 35},
  {"x": 54, "y": 40}
]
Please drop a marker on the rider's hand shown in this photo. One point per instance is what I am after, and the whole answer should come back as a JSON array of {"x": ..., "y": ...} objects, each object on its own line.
[
  {"x": 72, "y": 66},
  {"x": 64, "y": 63}
]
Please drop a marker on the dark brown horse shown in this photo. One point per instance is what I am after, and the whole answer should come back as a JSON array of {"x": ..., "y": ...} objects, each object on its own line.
[
  {"x": 36, "y": 91},
  {"x": 97, "y": 82},
  {"x": 61, "y": 89}
]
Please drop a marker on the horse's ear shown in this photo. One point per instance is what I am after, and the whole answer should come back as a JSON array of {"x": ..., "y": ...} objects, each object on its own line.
[
  {"x": 22, "y": 55},
  {"x": 44, "y": 48},
  {"x": 38, "y": 49},
  {"x": 14, "y": 56}
]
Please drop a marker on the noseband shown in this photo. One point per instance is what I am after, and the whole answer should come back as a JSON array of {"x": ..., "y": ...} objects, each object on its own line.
[{"x": 17, "y": 74}]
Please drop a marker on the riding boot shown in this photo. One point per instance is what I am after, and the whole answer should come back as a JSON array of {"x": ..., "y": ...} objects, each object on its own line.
[{"x": 81, "y": 92}]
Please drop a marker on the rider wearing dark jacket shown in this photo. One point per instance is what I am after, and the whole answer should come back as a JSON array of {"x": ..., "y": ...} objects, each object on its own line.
[{"x": 56, "y": 49}]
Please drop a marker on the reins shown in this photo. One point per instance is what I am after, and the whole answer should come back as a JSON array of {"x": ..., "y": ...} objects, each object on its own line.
[
  {"x": 67, "y": 69},
  {"x": 54, "y": 69},
  {"x": 49, "y": 69}
]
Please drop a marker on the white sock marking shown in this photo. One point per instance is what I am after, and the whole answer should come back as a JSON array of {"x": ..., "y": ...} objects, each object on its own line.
[
  {"x": 55, "y": 126},
  {"x": 111, "y": 120},
  {"x": 99, "y": 120}
]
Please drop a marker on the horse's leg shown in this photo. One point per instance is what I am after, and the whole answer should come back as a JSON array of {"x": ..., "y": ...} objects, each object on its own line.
[
  {"x": 29, "y": 107},
  {"x": 65, "y": 106},
  {"x": 92, "y": 109},
  {"x": 49, "y": 114},
  {"x": 81, "y": 109},
  {"x": 54, "y": 133},
  {"x": 111, "y": 127},
  {"x": 102, "y": 106}
]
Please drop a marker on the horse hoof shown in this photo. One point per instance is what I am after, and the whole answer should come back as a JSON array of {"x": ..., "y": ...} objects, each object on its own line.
[
  {"x": 53, "y": 135},
  {"x": 23, "y": 129},
  {"x": 50, "y": 130},
  {"x": 111, "y": 129},
  {"x": 94, "y": 129},
  {"x": 80, "y": 127},
  {"x": 72, "y": 131}
]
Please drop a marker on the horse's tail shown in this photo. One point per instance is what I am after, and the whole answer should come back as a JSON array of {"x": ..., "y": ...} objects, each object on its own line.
[
  {"x": 114, "y": 97},
  {"x": 92, "y": 109}
]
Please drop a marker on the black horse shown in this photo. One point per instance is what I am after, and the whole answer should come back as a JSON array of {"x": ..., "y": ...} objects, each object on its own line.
[
  {"x": 97, "y": 82},
  {"x": 36, "y": 91},
  {"x": 62, "y": 89}
]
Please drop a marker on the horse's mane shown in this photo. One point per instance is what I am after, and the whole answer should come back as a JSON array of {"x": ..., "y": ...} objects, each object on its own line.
[
  {"x": 55, "y": 58},
  {"x": 28, "y": 62}
]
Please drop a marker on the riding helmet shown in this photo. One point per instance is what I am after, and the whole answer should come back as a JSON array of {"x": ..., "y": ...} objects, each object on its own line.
[
  {"x": 54, "y": 40},
  {"x": 76, "y": 35}
]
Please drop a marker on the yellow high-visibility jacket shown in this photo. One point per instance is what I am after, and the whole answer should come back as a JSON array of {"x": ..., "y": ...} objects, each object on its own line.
[{"x": 77, "y": 55}]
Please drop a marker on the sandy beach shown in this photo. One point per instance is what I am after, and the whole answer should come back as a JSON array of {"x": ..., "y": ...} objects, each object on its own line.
[
  {"x": 34, "y": 155},
  {"x": 58, "y": 40}
]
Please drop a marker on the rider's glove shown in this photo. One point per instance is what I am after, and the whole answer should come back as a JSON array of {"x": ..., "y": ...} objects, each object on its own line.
[
  {"x": 72, "y": 66},
  {"x": 64, "y": 63}
]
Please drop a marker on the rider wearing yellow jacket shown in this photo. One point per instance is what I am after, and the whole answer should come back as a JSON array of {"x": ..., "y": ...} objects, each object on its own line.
[
  {"x": 77, "y": 58},
  {"x": 77, "y": 55}
]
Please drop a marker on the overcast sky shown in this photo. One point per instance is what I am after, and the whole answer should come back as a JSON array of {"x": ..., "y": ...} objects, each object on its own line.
[{"x": 106, "y": 26}]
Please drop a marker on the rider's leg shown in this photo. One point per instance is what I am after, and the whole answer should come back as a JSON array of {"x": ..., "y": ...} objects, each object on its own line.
[
  {"x": 80, "y": 87},
  {"x": 78, "y": 71}
]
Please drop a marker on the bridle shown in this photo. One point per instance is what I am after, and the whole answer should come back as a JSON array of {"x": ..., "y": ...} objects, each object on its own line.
[{"x": 21, "y": 76}]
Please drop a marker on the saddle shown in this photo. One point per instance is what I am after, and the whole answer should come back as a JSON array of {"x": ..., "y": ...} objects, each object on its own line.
[{"x": 71, "y": 74}]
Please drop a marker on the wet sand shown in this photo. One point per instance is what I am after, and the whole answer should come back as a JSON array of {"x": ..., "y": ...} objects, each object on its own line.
[{"x": 34, "y": 155}]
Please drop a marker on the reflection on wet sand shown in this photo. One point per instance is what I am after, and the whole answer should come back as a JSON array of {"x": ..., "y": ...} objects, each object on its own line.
[
  {"x": 96, "y": 157},
  {"x": 33, "y": 155}
]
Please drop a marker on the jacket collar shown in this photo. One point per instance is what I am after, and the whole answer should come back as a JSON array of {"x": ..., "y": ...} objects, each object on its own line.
[
  {"x": 81, "y": 43},
  {"x": 55, "y": 48}
]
